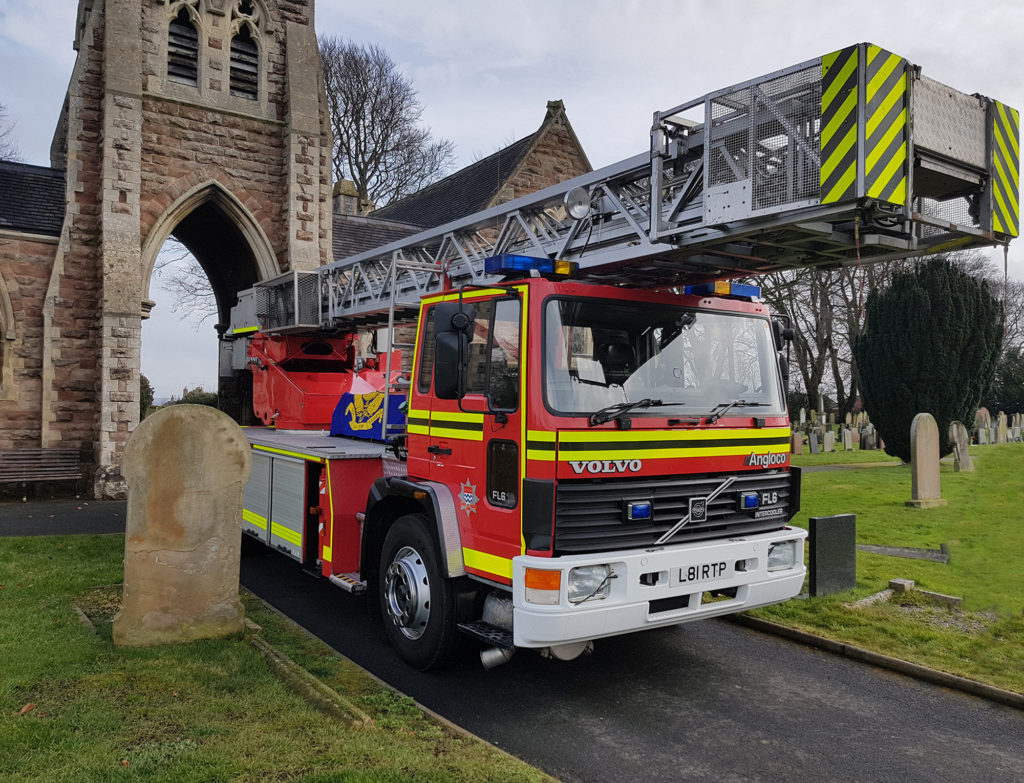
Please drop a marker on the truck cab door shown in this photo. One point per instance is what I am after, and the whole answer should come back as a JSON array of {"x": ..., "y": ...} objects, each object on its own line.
[{"x": 473, "y": 445}]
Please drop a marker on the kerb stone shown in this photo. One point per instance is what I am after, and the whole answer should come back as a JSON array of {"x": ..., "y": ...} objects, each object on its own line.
[{"x": 186, "y": 468}]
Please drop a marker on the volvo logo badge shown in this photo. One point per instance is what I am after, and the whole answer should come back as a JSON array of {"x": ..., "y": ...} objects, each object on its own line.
[{"x": 698, "y": 509}]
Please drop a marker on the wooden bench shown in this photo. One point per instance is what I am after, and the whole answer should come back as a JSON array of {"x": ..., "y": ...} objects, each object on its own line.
[{"x": 27, "y": 465}]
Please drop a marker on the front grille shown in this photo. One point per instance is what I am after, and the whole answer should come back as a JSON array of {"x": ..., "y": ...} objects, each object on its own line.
[{"x": 589, "y": 513}]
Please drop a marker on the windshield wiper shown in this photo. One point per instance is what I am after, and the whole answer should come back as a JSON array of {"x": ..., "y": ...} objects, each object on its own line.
[
  {"x": 724, "y": 407},
  {"x": 620, "y": 408}
]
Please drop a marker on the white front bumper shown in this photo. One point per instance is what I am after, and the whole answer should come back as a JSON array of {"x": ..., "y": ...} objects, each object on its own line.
[{"x": 629, "y": 607}]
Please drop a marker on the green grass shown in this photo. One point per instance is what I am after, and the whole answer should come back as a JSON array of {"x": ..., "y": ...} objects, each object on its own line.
[
  {"x": 983, "y": 527},
  {"x": 205, "y": 711}
]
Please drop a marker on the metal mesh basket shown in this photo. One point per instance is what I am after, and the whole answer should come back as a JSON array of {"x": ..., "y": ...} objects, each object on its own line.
[{"x": 289, "y": 301}]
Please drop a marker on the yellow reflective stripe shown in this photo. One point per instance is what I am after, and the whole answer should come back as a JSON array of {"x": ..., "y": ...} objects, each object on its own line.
[
  {"x": 840, "y": 117},
  {"x": 547, "y": 436},
  {"x": 542, "y": 456},
  {"x": 894, "y": 95},
  {"x": 1010, "y": 121},
  {"x": 330, "y": 519},
  {"x": 883, "y": 73},
  {"x": 444, "y": 432},
  {"x": 635, "y": 436},
  {"x": 889, "y": 171},
  {"x": 475, "y": 418},
  {"x": 254, "y": 519},
  {"x": 416, "y": 413},
  {"x": 842, "y": 185},
  {"x": 417, "y": 429},
  {"x": 669, "y": 453},
  {"x": 312, "y": 457},
  {"x": 483, "y": 561},
  {"x": 289, "y": 535},
  {"x": 840, "y": 152},
  {"x": 884, "y": 142},
  {"x": 244, "y": 330},
  {"x": 466, "y": 295},
  {"x": 840, "y": 80}
]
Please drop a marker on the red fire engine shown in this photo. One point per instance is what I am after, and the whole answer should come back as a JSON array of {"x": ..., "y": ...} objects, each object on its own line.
[{"x": 592, "y": 436}]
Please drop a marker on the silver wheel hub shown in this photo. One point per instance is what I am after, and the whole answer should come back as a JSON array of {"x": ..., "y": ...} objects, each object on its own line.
[{"x": 407, "y": 592}]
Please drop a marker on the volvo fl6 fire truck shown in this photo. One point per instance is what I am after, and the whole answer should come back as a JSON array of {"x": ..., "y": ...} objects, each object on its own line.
[{"x": 591, "y": 437}]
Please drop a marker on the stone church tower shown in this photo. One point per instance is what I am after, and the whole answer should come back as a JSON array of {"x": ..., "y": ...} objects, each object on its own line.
[{"x": 204, "y": 119}]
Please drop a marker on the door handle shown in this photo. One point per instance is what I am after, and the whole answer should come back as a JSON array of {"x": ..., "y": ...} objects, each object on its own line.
[{"x": 438, "y": 450}]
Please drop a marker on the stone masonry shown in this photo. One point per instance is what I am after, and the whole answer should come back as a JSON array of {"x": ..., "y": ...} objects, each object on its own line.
[{"x": 244, "y": 181}]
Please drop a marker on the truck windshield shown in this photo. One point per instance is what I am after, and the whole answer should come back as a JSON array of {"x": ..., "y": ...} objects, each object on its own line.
[{"x": 598, "y": 353}]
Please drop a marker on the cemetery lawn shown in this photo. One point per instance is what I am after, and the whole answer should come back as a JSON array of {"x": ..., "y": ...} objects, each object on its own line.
[
  {"x": 75, "y": 708},
  {"x": 983, "y": 528}
]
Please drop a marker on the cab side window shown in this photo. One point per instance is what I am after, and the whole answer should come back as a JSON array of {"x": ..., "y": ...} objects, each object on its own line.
[{"x": 493, "y": 360}]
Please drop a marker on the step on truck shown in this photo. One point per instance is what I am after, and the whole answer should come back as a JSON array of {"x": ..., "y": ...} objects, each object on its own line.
[{"x": 586, "y": 433}]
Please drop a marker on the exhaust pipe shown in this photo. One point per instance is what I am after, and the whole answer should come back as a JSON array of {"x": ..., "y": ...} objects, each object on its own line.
[{"x": 492, "y": 657}]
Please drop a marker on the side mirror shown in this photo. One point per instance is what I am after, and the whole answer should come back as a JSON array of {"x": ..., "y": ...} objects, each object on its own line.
[{"x": 451, "y": 325}]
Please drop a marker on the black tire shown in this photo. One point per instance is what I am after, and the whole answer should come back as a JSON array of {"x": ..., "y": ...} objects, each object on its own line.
[{"x": 417, "y": 602}]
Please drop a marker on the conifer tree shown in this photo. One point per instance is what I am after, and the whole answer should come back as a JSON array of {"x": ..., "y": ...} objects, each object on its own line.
[{"x": 931, "y": 344}]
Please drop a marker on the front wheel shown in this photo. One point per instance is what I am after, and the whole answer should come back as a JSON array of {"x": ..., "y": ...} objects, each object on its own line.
[{"x": 417, "y": 602}]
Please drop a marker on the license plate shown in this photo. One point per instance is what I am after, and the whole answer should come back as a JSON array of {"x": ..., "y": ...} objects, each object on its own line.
[{"x": 702, "y": 572}]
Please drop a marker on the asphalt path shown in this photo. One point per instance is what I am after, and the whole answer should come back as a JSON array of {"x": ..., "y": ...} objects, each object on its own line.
[{"x": 708, "y": 701}]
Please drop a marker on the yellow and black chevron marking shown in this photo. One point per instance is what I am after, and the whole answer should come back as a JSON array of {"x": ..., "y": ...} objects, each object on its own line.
[
  {"x": 1005, "y": 170},
  {"x": 839, "y": 125},
  {"x": 885, "y": 150}
]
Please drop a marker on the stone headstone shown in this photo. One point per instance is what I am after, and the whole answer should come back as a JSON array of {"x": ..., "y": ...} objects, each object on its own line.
[
  {"x": 1001, "y": 428},
  {"x": 848, "y": 419},
  {"x": 847, "y": 439},
  {"x": 186, "y": 468},
  {"x": 982, "y": 436},
  {"x": 829, "y": 441},
  {"x": 1016, "y": 434},
  {"x": 812, "y": 441},
  {"x": 796, "y": 444},
  {"x": 803, "y": 416},
  {"x": 961, "y": 440},
  {"x": 814, "y": 416},
  {"x": 855, "y": 437},
  {"x": 831, "y": 420},
  {"x": 832, "y": 559},
  {"x": 982, "y": 418},
  {"x": 925, "y": 487},
  {"x": 993, "y": 434}
]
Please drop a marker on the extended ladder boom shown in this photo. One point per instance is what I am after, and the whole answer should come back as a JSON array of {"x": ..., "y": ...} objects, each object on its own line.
[{"x": 851, "y": 157}]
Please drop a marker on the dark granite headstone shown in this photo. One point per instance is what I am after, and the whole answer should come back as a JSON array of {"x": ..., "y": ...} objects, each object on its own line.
[
  {"x": 833, "y": 553},
  {"x": 813, "y": 442}
]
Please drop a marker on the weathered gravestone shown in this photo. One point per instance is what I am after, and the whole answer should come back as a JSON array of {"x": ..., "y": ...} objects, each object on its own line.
[
  {"x": 925, "y": 487},
  {"x": 1001, "y": 428},
  {"x": 796, "y": 444},
  {"x": 961, "y": 440},
  {"x": 186, "y": 468},
  {"x": 829, "y": 441},
  {"x": 982, "y": 436},
  {"x": 812, "y": 441},
  {"x": 847, "y": 439}
]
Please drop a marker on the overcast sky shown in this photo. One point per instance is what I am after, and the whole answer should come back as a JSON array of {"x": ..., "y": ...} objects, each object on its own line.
[{"x": 485, "y": 71}]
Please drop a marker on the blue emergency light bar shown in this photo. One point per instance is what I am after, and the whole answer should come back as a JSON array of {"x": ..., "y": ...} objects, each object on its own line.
[
  {"x": 725, "y": 288},
  {"x": 510, "y": 263}
]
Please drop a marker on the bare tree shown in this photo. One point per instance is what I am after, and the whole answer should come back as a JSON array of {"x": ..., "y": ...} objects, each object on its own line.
[
  {"x": 8, "y": 146},
  {"x": 379, "y": 142},
  {"x": 181, "y": 275}
]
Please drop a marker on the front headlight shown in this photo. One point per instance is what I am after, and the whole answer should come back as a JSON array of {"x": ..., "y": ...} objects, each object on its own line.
[
  {"x": 782, "y": 555},
  {"x": 590, "y": 583}
]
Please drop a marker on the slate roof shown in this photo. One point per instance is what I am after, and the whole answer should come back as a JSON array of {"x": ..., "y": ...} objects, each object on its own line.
[
  {"x": 354, "y": 234},
  {"x": 466, "y": 191},
  {"x": 31, "y": 198}
]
